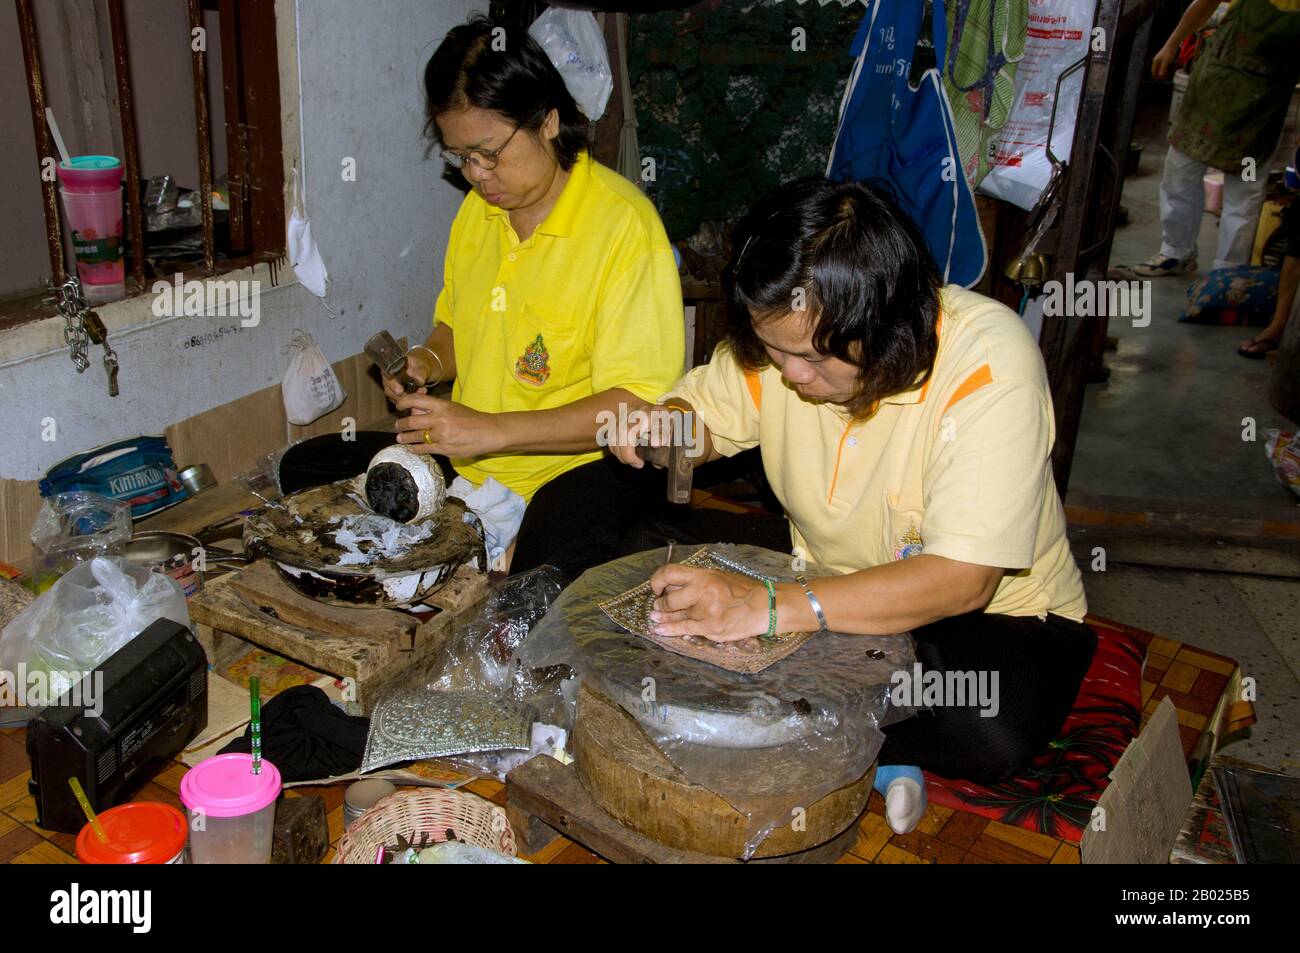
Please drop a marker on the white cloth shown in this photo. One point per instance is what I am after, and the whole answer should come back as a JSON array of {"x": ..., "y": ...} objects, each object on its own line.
[
  {"x": 304, "y": 256},
  {"x": 501, "y": 510},
  {"x": 1182, "y": 201}
]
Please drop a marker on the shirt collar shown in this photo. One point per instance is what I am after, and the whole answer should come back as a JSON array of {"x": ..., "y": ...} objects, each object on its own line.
[{"x": 560, "y": 220}]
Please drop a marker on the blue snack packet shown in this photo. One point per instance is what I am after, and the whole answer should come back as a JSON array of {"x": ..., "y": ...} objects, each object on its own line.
[{"x": 139, "y": 471}]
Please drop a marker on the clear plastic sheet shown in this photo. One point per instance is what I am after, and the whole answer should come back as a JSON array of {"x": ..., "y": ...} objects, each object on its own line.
[
  {"x": 479, "y": 655},
  {"x": 263, "y": 480},
  {"x": 74, "y": 527},
  {"x": 767, "y": 743}
]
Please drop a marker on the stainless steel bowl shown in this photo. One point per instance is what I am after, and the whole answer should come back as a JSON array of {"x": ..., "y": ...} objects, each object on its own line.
[
  {"x": 164, "y": 551},
  {"x": 197, "y": 478}
]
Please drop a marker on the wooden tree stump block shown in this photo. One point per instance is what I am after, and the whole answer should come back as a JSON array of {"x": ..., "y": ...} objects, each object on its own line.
[
  {"x": 547, "y": 800},
  {"x": 631, "y": 780}
]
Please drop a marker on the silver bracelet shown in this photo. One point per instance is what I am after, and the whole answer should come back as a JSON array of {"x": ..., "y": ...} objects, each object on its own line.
[
  {"x": 434, "y": 354},
  {"x": 816, "y": 606}
]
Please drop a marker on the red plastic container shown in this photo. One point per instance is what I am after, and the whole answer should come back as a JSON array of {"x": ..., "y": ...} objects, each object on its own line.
[{"x": 142, "y": 832}]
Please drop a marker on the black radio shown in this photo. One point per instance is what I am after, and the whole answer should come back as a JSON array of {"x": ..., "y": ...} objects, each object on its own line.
[{"x": 150, "y": 698}]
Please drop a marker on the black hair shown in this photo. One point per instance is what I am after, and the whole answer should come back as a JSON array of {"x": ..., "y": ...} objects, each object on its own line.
[
  {"x": 495, "y": 65},
  {"x": 863, "y": 271}
]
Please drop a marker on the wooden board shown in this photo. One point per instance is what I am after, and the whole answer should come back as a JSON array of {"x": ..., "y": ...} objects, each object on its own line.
[
  {"x": 632, "y": 780},
  {"x": 544, "y": 796},
  {"x": 372, "y": 647}
]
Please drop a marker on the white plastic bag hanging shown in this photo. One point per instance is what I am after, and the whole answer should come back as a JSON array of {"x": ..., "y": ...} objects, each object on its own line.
[
  {"x": 310, "y": 388},
  {"x": 576, "y": 46},
  {"x": 1059, "y": 34}
]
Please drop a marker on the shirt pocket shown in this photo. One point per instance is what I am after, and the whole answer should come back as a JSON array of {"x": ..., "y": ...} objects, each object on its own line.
[
  {"x": 545, "y": 351},
  {"x": 904, "y": 517}
]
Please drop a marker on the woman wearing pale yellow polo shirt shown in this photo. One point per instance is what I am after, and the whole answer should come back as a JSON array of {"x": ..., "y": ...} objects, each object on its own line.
[
  {"x": 907, "y": 430},
  {"x": 560, "y": 300}
]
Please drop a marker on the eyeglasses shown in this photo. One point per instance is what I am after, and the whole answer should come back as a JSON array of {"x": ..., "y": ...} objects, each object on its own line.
[{"x": 487, "y": 160}]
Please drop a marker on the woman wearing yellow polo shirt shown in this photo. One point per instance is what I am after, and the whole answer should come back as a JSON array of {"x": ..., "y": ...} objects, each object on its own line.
[
  {"x": 907, "y": 430},
  {"x": 560, "y": 301}
]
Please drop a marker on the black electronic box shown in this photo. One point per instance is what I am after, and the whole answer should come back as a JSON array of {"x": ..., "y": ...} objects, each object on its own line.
[{"x": 154, "y": 700}]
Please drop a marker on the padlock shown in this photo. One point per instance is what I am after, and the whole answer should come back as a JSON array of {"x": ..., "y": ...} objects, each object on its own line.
[{"x": 94, "y": 326}]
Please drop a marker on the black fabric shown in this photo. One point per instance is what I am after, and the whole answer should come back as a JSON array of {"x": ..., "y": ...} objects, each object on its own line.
[
  {"x": 701, "y": 526},
  {"x": 1040, "y": 664},
  {"x": 579, "y": 519},
  {"x": 327, "y": 458},
  {"x": 1290, "y": 229},
  {"x": 306, "y": 737}
]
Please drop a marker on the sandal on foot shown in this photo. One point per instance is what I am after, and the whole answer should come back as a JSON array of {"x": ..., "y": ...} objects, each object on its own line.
[{"x": 1257, "y": 349}]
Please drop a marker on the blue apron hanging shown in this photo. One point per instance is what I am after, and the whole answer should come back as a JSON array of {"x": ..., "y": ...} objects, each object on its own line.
[{"x": 897, "y": 127}]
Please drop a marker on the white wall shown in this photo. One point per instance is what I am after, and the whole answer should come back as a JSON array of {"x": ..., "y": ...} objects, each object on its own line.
[{"x": 382, "y": 238}]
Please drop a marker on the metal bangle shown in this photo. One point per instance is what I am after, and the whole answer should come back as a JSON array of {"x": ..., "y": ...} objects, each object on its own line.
[
  {"x": 434, "y": 354},
  {"x": 816, "y": 606}
]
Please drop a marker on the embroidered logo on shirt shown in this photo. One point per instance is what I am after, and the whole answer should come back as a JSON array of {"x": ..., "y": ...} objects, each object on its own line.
[
  {"x": 909, "y": 544},
  {"x": 533, "y": 368}
]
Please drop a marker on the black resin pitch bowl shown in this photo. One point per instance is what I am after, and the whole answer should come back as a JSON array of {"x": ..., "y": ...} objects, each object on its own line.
[{"x": 298, "y": 534}]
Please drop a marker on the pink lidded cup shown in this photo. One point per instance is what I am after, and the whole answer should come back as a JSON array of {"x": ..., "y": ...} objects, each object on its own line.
[
  {"x": 92, "y": 201},
  {"x": 231, "y": 810}
]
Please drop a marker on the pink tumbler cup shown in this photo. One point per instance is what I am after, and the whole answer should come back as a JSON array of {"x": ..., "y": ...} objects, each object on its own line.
[{"x": 92, "y": 200}]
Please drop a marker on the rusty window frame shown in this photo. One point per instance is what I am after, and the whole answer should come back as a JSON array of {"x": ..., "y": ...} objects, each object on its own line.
[{"x": 251, "y": 90}]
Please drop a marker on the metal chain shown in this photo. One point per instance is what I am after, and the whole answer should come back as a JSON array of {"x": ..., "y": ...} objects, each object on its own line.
[{"x": 72, "y": 306}]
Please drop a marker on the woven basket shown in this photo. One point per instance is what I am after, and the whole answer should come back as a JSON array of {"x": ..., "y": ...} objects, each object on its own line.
[{"x": 431, "y": 811}]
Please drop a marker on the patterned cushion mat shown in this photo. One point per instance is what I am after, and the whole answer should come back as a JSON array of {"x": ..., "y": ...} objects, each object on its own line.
[{"x": 1056, "y": 793}]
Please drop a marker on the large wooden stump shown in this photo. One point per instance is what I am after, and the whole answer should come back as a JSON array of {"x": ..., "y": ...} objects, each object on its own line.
[{"x": 631, "y": 780}]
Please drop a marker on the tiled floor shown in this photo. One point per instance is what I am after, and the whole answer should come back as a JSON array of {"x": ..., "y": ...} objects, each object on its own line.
[
  {"x": 1190, "y": 678},
  {"x": 944, "y": 836}
]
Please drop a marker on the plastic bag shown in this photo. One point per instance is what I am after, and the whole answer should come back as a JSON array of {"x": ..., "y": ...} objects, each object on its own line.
[
  {"x": 1059, "y": 34},
  {"x": 310, "y": 388},
  {"x": 574, "y": 43},
  {"x": 86, "y": 617},
  {"x": 480, "y": 654},
  {"x": 1283, "y": 451},
  {"x": 74, "y": 527},
  {"x": 814, "y": 716}
]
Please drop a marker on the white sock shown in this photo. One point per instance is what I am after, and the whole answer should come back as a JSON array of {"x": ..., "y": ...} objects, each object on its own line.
[{"x": 904, "y": 804}]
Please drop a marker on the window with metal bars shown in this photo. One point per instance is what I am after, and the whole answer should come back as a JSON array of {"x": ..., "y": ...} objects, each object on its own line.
[{"x": 247, "y": 134}]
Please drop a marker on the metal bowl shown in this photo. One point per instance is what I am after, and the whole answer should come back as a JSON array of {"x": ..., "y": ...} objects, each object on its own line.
[
  {"x": 197, "y": 478},
  {"x": 173, "y": 554}
]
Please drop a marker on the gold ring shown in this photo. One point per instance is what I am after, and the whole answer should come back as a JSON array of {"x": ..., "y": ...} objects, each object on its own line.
[{"x": 426, "y": 437}]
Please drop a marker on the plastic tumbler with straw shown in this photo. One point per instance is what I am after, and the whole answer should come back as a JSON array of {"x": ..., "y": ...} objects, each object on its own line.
[
  {"x": 231, "y": 801},
  {"x": 92, "y": 201}
]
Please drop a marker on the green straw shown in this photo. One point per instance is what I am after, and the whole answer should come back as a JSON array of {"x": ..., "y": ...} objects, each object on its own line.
[
  {"x": 87, "y": 809},
  {"x": 255, "y": 725}
]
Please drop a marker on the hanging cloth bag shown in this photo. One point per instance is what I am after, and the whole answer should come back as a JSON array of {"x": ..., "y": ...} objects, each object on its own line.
[
  {"x": 896, "y": 126},
  {"x": 310, "y": 388}
]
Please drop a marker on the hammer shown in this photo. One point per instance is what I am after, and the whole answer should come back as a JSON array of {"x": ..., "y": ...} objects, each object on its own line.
[
  {"x": 390, "y": 357},
  {"x": 677, "y": 461}
]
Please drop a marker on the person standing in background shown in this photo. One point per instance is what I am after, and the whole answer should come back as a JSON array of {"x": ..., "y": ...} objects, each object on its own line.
[{"x": 1231, "y": 117}]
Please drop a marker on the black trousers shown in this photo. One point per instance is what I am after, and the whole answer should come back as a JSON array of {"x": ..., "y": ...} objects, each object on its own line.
[
  {"x": 579, "y": 519},
  {"x": 1039, "y": 665}
]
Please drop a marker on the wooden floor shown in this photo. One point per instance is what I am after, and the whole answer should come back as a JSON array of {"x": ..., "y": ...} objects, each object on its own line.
[{"x": 944, "y": 836}]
